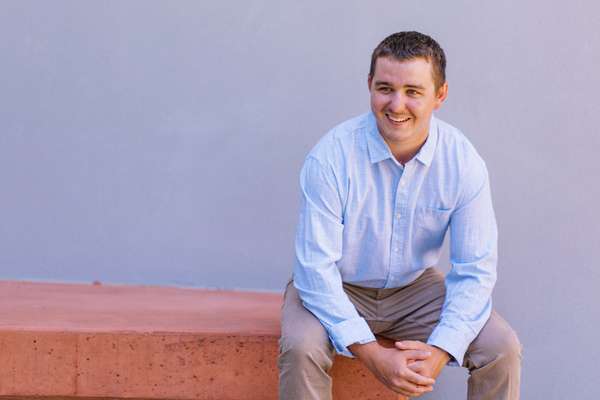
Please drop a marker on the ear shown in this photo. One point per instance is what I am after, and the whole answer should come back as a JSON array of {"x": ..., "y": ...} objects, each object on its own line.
[{"x": 441, "y": 95}]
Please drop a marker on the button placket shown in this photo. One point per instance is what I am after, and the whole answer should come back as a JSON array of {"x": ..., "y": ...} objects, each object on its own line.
[{"x": 399, "y": 226}]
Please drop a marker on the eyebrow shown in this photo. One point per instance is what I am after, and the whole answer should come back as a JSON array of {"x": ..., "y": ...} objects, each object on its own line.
[{"x": 411, "y": 86}]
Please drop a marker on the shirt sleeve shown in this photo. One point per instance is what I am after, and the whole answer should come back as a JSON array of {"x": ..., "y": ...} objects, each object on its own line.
[
  {"x": 473, "y": 255},
  {"x": 318, "y": 248}
]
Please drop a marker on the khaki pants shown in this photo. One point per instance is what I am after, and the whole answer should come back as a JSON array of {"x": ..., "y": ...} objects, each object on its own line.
[{"x": 407, "y": 313}]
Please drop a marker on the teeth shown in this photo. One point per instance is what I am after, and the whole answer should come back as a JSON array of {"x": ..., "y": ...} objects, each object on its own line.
[{"x": 396, "y": 119}]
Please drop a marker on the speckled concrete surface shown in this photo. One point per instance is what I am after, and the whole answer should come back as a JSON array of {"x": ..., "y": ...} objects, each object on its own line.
[{"x": 71, "y": 340}]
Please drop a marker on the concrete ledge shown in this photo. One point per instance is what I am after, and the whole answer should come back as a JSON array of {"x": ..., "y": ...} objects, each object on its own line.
[{"x": 96, "y": 341}]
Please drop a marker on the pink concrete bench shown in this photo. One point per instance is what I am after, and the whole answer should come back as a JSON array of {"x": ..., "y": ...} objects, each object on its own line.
[{"x": 136, "y": 342}]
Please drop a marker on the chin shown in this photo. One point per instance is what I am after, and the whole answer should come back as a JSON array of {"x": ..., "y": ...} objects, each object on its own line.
[
  {"x": 395, "y": 137},
  {"x": 400, "y": 134}
]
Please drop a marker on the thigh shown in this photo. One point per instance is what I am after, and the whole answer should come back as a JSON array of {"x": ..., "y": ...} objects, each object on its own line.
[
  {"x": 299, "y": 327},
  {"x": 414, "y": 311},
  {"x": 495, "y": 340}
]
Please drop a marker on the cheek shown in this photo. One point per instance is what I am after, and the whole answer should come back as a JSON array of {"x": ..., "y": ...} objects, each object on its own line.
[
  {"x": 379, "y": 102},
  {"x": 415, "y": 107}
]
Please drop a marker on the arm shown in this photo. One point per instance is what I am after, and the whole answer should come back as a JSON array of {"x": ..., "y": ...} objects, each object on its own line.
[
  {"x": 318, "y": 248},
  {"x": 473, "y": 255}
]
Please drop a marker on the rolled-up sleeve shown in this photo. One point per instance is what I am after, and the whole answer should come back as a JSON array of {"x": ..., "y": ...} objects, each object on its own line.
[
  {"x": 473, "y": 255},
  {"x": 318, "y": 247}
]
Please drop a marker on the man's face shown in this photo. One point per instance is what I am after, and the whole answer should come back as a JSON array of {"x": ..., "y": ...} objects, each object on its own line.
[{"x": 403, "y": 97}]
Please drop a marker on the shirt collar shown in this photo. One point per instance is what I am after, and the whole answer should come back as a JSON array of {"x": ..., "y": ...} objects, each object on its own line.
[
  {"x": 427, "y": 151},
  {"x": 379, "y": 150}
]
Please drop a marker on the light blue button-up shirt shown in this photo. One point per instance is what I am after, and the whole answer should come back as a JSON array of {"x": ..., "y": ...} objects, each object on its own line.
[{"x": 367, "y": 220}]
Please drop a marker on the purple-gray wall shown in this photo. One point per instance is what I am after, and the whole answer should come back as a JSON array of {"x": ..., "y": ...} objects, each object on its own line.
[{"x": 159, "y": 142}]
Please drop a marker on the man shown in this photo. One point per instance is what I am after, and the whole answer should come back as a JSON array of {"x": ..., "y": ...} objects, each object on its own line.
[{"x": 379, "y": 193}]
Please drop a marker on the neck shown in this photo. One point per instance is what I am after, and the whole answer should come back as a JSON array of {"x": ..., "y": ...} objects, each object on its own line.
[{"x": 403, "y": 152}]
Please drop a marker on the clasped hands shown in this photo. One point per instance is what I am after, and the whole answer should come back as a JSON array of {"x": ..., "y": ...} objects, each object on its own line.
[{"x": 409, "y": 368}]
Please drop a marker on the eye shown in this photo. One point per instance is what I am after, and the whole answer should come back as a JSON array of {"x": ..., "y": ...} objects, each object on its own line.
[
  {"x": 412, "y": 92},
  {"x": 384, "y": 89}
]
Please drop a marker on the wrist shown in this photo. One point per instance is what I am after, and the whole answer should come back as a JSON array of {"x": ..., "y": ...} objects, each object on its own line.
[
  {"x": 364, "y": 351},
  {"x": 441, "y": 354}
]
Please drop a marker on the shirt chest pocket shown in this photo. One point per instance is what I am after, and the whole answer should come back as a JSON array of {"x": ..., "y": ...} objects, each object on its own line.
[{"x": 432, "y": 220}]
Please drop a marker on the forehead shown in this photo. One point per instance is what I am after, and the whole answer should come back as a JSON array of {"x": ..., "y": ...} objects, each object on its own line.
[{"x": 414, "y": 71}]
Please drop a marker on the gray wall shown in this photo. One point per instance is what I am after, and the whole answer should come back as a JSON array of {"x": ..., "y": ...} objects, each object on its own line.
[{"x": 160, "y": 143}]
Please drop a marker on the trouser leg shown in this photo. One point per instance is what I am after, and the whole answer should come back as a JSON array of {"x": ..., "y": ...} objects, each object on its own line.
[
  {"x": 494, "y": 356},
  {"x": 408, "y": 313},
  {"x": 305, "y": 353},
  {"x": 494, "y": 362}
]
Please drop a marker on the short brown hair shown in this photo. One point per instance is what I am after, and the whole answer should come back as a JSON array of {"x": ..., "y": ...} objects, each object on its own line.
[{"x": 403, "y": 46}]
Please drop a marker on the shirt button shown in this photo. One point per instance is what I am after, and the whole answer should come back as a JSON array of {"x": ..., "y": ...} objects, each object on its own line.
[{"x": 402, "y": 183}]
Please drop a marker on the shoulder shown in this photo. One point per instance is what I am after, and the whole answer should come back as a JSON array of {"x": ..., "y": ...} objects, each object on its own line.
[
  {"x": 340, "y": 141},
  {"x": 329, "y": 163},
  {"x": 456, "y": 150}
]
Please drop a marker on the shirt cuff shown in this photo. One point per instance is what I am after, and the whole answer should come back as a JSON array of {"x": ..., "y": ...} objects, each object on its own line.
[
  {"x": 349, "y": 332},
  {"x": 451, "y": 340}
]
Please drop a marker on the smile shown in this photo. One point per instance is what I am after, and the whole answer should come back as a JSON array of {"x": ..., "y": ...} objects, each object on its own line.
[{"x": 397, "y": 120}]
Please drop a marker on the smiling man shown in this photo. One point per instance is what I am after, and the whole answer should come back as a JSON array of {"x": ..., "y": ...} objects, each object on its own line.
[{"x": 379, "y": 192}]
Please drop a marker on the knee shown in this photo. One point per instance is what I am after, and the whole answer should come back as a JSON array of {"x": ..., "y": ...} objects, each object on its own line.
[
  {"x": 508, "y": 348},
  {"x": 301, "y": 349},
  {"x": 497, "y": 344},
  {"x": 505, "y": 351}
]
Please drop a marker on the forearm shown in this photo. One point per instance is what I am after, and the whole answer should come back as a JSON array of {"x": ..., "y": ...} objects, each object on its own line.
[
  {"x": 467, "y": 306},
  {"x": 322, "y": 293},
  {"x": 473, "y": 255},
  {"x": 365, "y": 352}
]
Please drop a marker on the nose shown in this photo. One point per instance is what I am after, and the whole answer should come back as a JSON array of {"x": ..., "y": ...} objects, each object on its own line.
[{"x": 397, "y": 102}]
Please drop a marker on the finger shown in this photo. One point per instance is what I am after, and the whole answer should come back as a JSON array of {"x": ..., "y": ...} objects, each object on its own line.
[
  {"x": 403, "y": 387},
  {"x": 414, "y": 396},
  {"x": 417, "y": 366},
  {"x": 415, "y": 355},
  {"x": 412, "y": 390},
  {"x": 404, "y": 394},
  {"x": 411, "y": 345},
  {"x": 418, "y": 379}
]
